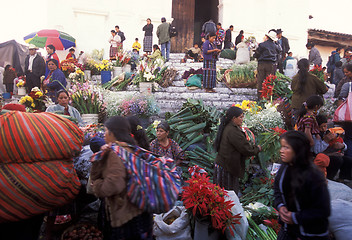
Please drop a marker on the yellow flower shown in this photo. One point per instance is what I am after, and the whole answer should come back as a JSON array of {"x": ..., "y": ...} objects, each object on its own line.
[
  {"x": 39, "y": 94},
  {"x": 33, "y": 105}
]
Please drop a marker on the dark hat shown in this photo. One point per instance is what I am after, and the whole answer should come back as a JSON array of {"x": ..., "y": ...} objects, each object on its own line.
[
  {"x": 96, "y": 143},
  {"x": 279, "y": 31},
  {"x": 163, "y": 19}
]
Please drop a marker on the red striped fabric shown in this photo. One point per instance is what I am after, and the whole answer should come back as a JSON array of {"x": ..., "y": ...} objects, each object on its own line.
[{"x": 36, "y": 167}]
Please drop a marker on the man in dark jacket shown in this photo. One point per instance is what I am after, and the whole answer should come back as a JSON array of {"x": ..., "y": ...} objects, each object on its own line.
[
  {"x": 266, "y": 53},
  {"x": 285, "y": 48},
  {"x": 34, "y": 67},
  {"x": 208, "y": 27},
  {"x": 228, "y": 38},
  {"x": 121, "y": 34}
]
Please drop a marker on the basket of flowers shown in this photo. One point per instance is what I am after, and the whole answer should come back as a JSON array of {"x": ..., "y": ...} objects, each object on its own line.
[{"x": 35, "y": 101}]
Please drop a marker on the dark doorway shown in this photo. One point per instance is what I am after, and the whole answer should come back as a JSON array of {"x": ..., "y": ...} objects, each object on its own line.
[{"x": 204, "y": 10}]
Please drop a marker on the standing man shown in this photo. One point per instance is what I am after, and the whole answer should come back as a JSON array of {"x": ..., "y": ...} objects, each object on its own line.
[
  {"x": 228, "y": 38},
  {"x": 285, "y": 46},
  {"x": 220, "y": 36},
  {"x": 164, "y": 38},
  {"x": 314, "y": 55},
  {"x": 266, "y": 53},
  {"x": 34, "y": 68},
  {"x": 239, "y": 37},
  {"x": 121, "y": 35}
]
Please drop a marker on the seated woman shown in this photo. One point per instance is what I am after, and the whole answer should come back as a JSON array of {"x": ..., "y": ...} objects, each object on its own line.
[
  {"x": 55, "y": 80},
  {"x": 165, "y": 146},
  {"x": 156, "y": 53},
  {"x": 62, "y": 107}
]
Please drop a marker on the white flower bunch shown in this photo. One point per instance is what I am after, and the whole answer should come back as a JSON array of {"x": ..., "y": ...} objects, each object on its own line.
[
  {"x": 112, "y": 100},
  {"x": 268, "y": 118},
  {"x": 148, "y": 76}
]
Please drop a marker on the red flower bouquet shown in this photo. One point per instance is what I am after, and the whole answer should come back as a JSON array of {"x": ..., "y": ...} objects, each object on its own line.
[
  {"x": 205, "y": 200},
  {"x": 318, "y": 71}
]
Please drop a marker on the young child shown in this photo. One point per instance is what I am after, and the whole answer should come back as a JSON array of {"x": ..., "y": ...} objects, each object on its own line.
[
  {"x": 306, "y": 121},
  {"x": 136, "y": 45},
  {"x": 333, "y": 146}
]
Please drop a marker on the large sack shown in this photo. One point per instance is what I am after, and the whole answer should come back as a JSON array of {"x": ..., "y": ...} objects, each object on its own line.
[
  {"x": 339, "y": 191},
  {"x": 33, "y": 137},
  {"x": 242, "y": 228},
  {"x": 36, "y": 166},
  {"x": 243, "y": 54},
  {"x": 228, "y": 54},
  {"x": 179, "y": 229},
  {"x": 340, "y": 221}
]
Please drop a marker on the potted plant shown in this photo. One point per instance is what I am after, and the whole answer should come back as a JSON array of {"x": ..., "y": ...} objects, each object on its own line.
[
  {"x": 21, "y": 82},
  {"x": 123, "y": 58},
  {"x": 35, "y": 101},
  {"x": 206, "y": 202},
  {"x": 148, "y": 72},
  {"x": 105, "y": 68},
  {"x": 87, "y": 100}
]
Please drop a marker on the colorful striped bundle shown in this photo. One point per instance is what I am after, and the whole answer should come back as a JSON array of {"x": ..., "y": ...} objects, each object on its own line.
[
  {"x": 36, "y": 167},
  {"x": 153, "y": 183}
]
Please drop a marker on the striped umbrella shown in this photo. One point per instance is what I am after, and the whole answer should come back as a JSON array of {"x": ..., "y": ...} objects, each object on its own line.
[{"x": 46, "y": 37}]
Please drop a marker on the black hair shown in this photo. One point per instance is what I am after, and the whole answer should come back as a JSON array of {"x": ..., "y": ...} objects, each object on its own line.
[
  {"x": 241, "y": 32},
  {"x": 54, "y": 61},
  {"x": 289, "y": 53},
  {"x": 309, "y": 104},
  {"x": 113, "y": 31},
  {"x": 156, "y": 46},
  {"x": 139, "y": 133},
  {"x": 321, "y": 119},
  {"x": 310, "y": 44},
  {"x": 72, "y": 49},
  {"x": 62, "y": 91},
  {"x": 211, "y": 34},
  {"x": 219, "y": 24},
  {"x": 120, "y": 128},
  {"x": 348, "y": 67},
  {"x": 7, "y": 67},
  {"x": 303, "y": 66},
  {"x": 338, "y": 64},
  {"x": 163, "y": 19},
  {"x": 231, "y": 26},
  {"x": 117, "y": 27},
  {"x": 51, "y": 47},
  {"x": 164, "y": 125},
  {"x": 338, "y": 49},
  {"x": 149, "y": 19},
  {"x": 136, "y": 39},
  {"x": 230, "y": 114},
  {"x": 302, "y": 164}
]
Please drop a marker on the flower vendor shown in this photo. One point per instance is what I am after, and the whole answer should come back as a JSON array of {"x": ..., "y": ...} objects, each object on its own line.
[
  {"x": 233, "y": 148},
  {"x": 55, "y": 80},
  {"x": 108, "y": 181},
  {"x": 156, "y": 53},
  {"x": 63, "y": 107},
  {"x": 301, "y": 192}
]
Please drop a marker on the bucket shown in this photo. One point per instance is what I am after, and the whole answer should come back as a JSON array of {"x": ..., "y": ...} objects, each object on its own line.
[
  {"x": 117, "y": 71},
  {"x": 6, "y": 95},
  {"x": 21, "y": 91},
  {"x": 105, "y": 76}
]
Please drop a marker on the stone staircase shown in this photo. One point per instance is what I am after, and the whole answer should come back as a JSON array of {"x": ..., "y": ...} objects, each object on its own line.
[{"x": 170, "y": 99}]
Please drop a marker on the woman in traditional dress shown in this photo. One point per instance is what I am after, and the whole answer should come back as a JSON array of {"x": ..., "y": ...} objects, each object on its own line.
[
  {"x": 210, "y": 55},
  {"x": 148, "y": 37},
  {"x": 108, "y": 180},
  {"x": 63, "y": 107},
  {"x": 55, "y": 80},
  {"x": 50, "y": 49},
  {"x": 233, "y": 149},
  {"x": 115, "y": 43}
]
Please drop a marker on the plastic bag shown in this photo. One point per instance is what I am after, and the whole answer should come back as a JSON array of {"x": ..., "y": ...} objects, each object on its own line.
[
  {"x": 339, "y": 191},
  {"x": 242, "y": 55},
  {"x": 179, "y": 229},
  {"x": 240, "y": 229}
]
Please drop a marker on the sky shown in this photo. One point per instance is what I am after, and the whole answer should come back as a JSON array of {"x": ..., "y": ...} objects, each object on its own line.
[{"x": 23, "y": 17}]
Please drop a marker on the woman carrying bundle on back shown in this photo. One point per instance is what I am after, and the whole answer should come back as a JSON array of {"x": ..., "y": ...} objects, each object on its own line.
[{"x": 109, "y": 177}]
